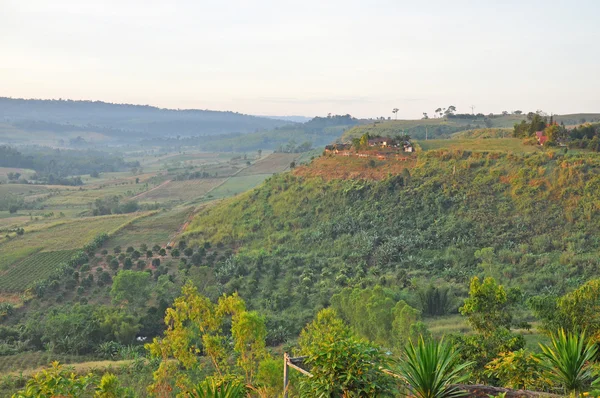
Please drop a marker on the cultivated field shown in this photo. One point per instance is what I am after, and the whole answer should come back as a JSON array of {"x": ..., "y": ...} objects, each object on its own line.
[
  {"x": 155, "y": 229},
  {"x": 274, "y": 163},
  {"x": 180, "y": 191},
  {"x": 35, "y": 267},
  {"x": 67, "y": 235},
  {"x": 236, "y": 185}
]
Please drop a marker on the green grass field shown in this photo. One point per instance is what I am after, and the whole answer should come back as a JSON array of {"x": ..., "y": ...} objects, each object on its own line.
[
  {"x": 156, "y": 229},
  {"x": 236, "y": 185},
  {"x": 488, "y": 144},
  {"x": 33, "y": 360},
  {"x": 274, "y": 163}
]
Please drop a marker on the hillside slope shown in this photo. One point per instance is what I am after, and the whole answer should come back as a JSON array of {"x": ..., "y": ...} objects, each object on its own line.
[{"x": 530, "y": 220}]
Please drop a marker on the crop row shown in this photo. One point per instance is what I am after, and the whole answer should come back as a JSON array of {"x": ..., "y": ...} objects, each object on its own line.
[{"x": 35, "y": 267}]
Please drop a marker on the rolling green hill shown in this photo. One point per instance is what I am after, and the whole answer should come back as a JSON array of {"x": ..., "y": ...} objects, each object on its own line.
[{"x": 527, "y": 219}]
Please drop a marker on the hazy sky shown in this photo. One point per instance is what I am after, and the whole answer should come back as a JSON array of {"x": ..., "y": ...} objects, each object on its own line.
[{"x": 307, "y": 57}]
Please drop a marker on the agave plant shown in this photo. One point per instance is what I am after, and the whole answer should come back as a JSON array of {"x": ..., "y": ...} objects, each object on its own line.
[
  {"x": 568, "y": 360},
  {"x": 432, "y": 368},
  {"x": 231, "y": 389}
]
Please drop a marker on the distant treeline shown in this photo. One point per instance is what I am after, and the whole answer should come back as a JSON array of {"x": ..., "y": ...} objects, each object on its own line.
[
  {"x": 53, "y": 166},
  {"x": 316, "y": 132},
  {"x": 131, "y": 120}
]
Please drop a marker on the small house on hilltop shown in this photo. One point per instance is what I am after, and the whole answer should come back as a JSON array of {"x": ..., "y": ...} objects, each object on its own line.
[
  {"x": 380, "y": 141},
  {"x": 541, "y": 138}
]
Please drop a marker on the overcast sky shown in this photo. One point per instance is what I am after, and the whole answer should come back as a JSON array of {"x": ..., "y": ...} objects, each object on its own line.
[{"x": 307, "y": 57}]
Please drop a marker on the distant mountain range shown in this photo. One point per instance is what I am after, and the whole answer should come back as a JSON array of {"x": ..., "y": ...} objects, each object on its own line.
[
  {"x": 126, "y": 120},
  {"x": 292, "y": 118}
]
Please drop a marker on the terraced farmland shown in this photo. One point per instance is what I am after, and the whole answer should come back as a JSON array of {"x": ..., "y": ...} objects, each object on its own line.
[
  {"x": 62, "y": 235},
  {"x": 35, "y": 267}
]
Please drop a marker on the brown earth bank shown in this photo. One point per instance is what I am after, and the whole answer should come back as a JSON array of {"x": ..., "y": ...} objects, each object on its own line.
[{"x": 331, "y": 167}]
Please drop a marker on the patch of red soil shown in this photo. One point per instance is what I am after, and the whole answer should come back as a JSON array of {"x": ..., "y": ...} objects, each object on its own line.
[{"x": 331, "y": 167}]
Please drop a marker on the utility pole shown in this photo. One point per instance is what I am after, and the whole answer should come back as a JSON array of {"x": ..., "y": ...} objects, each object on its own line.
[
  {"x": 473, "y": 109},
  {"x": 425, "y": 133}
]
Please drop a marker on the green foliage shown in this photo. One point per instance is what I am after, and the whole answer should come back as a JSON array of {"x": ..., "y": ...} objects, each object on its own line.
[
  {"x": 132, "y": 287},
  {"x": 520, "y": 370},
  {"x": 231, "y": 389},
  {"x": 341, "y": 364},
  {"x": 300, "y": 240},
  {"x": 375, "y": 315},
  {"x": 488, "y": 306},
  {"x": 249, "y": 332},
  {"x": 568, "y": 360},
  {"x": 431, "y": 369},
  {"x": 110, "y": 387},
  {"x": 196, "y": 326},
  {"x": 574, "y": 312},
  {"x": 56, "y": 382},
  {"x": 481, "y": 349},
  {"x": 435, "y": 301}
]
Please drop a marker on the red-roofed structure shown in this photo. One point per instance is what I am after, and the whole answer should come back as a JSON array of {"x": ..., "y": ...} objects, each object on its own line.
[{"x": 541, "y": 137}]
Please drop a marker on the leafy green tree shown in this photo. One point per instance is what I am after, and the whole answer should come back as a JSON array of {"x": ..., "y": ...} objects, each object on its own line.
[
  {"x": 375, "y": 315},
  {"x": 432, "y": 369},
  {"x": 249, "y": 333},
  {"x": 488, "y": 306},
  {"x": 114, "y": 264},
  {"x": 196, "y": 326},
  {"x": 407, "y": 324},
  {"x": 115, "y": 324},
  {"x": 132, "y": 287},
  {"x": 435, "y": 301},
  {"x": 574, "y": 312},
  {"x": 110, "y": 387},
  {"x": 341, "y": 364}
]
